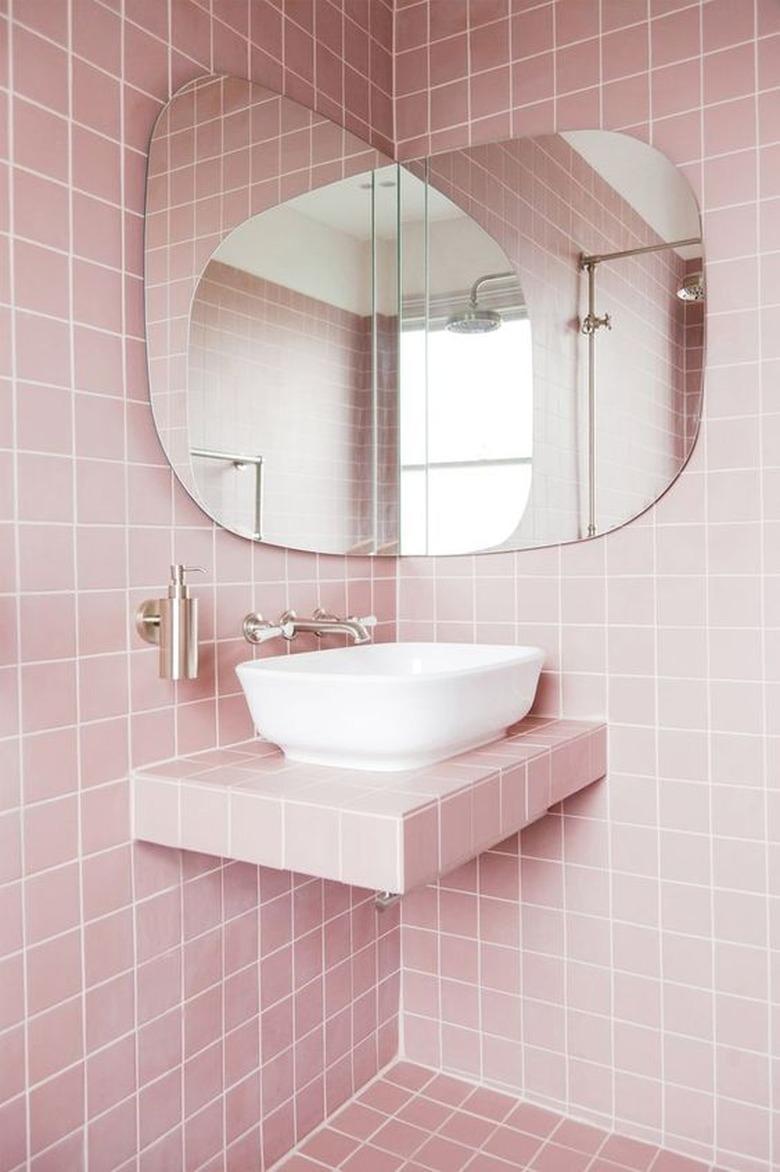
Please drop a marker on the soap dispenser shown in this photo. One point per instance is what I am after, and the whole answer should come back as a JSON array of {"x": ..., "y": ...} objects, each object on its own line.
[{"x": 172, "y": 623}]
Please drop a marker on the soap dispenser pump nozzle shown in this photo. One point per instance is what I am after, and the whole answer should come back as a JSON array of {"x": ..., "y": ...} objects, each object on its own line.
[{"x": 178, "y": 587}]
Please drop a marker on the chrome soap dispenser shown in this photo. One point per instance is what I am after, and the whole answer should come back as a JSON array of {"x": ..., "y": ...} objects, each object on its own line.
[{"x": 172, "y": 623}]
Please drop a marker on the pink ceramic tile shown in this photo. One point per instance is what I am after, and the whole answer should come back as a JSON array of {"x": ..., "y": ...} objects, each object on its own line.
[
  {"x": 578, "y": 1136},
  {"x": 406, "y": 1074},
  {"x": 385, "y": 1096},
  {"x": 370, "y": 1159},
  {"x": 45, "y": 488},
  {"x": 329, "y": 1146},
  {"x": 399, "y": 1138},
  {"x": 727, "y": 24},
  {"x": 513, "y": 1146},
  {"x": 205, "y": 819},
  {"x": 55, "y": 1039},
  {"x": 447, "y": 1090},
  {"x": 444, "y": 1154},
  {"x": 424, "y": 1113},
  {"x": 533, "y": 1120},
  {"x": 552, "y": 1158},
  {"x": 52, "y": 902},
  {"x": 370, "y": 851},
  {"x": 358, "y": 1121},
  {"x": 42, "y": 69},
  {"x": 41, "y": 279},
  {"x": 51, "y": 833},
  {"x": 466, "y": 1129},
  {"x": 112, "y": 1138},
  {"x": 56, "y": 1107}
]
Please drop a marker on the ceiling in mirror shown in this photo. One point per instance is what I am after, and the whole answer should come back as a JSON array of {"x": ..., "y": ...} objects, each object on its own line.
[{"x": 490, "y": 349}]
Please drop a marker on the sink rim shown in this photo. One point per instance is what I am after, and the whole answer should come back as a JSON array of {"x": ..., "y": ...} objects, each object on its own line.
[{"x": 295, "y": 664}]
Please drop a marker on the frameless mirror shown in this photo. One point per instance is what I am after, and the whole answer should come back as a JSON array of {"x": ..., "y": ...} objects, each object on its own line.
[{"x": 493, "y": 348}]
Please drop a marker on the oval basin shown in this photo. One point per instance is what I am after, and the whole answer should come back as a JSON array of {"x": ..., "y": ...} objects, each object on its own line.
[{"x": 390, "y": 706}]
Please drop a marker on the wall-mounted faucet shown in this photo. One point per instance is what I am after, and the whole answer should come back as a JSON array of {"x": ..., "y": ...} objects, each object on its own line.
[
  {"x": 172, "y": 623},
  {"x": 259, "y": 630}
]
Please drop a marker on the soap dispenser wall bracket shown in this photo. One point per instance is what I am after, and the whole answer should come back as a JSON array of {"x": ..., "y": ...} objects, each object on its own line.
[{"x": 172, "y": 624}]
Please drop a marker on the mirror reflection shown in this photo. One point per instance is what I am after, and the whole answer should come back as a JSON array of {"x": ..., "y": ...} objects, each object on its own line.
[
  {"x": 465, "y": 389},
  {"x": 490, "y": 349},
  {"x": 365, "y": 435},
  {"x": 616, "y": 349},
  {"x": 280, "y": 368}
]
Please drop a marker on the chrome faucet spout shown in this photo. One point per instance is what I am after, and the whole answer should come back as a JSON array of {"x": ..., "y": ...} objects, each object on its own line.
[{"x": 322, "y": 623}]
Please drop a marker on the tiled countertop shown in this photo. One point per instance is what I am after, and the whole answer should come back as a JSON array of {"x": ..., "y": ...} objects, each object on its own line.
[{"x": 387, "y": 831}]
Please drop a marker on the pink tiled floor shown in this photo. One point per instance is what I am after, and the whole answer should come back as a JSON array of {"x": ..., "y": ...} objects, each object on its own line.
[{"x": 417, "y": 1120}]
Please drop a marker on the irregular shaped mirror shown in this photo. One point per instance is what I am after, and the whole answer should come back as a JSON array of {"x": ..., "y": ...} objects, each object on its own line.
[{"x": 495, "y": 348}]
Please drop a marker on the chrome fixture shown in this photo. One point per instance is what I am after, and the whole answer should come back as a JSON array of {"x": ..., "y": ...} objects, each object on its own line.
[
  {"x": 597, "y": 257},
  {"x": 172, "y": 624},
  {"x": 472, "y": 319},
  {"x": 386, "y": 899},
  {"x": 692, "y": 288},
  {"x": 592, "y": 323},
  {"x": 258, "y": 630},
  {"x": 322, "y": 623},
  {"x": 240, "y": 462}
]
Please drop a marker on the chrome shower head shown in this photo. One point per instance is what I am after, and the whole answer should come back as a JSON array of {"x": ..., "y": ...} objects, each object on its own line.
[
  {"x": 692, "y": 287},
  {"x": 474, "y": 320}
]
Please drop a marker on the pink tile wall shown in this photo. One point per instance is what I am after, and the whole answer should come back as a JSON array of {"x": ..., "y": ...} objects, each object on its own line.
[
  {"x": 248, "y": 339},
  {"x": 647, "y": 916},
  {"x": 625, "y": 963},
  {"x": 136, "y": 1003}
]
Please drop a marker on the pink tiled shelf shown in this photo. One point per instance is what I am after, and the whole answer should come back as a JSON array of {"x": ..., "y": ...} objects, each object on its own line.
[
  {"x": 388, "y": 831},
  {"x": 414, "y": 1119}
]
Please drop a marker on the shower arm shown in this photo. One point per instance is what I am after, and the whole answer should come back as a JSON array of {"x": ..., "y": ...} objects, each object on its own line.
[
  {"x": 483, "y": 280},
  {"x": 590, "y": 325},
  {"x": 597, "y": 258}
]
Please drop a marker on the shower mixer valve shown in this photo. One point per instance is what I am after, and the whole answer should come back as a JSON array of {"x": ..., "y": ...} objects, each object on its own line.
[{"x": 593, "y": 322}]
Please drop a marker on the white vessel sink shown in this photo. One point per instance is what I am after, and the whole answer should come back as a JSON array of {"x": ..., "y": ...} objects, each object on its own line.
[{"x": 392, "y": 705}]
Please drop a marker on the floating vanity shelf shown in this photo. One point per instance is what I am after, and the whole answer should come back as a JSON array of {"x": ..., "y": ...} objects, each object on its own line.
[{"x": 387, "y": 831}]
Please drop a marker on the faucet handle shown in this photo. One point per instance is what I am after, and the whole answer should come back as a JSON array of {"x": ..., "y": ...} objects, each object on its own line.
[{"x": 258, "y": 630}]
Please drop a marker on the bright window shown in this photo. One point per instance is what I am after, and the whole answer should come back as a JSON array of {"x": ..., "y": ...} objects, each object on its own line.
[{"x": 466, "y": 445}]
